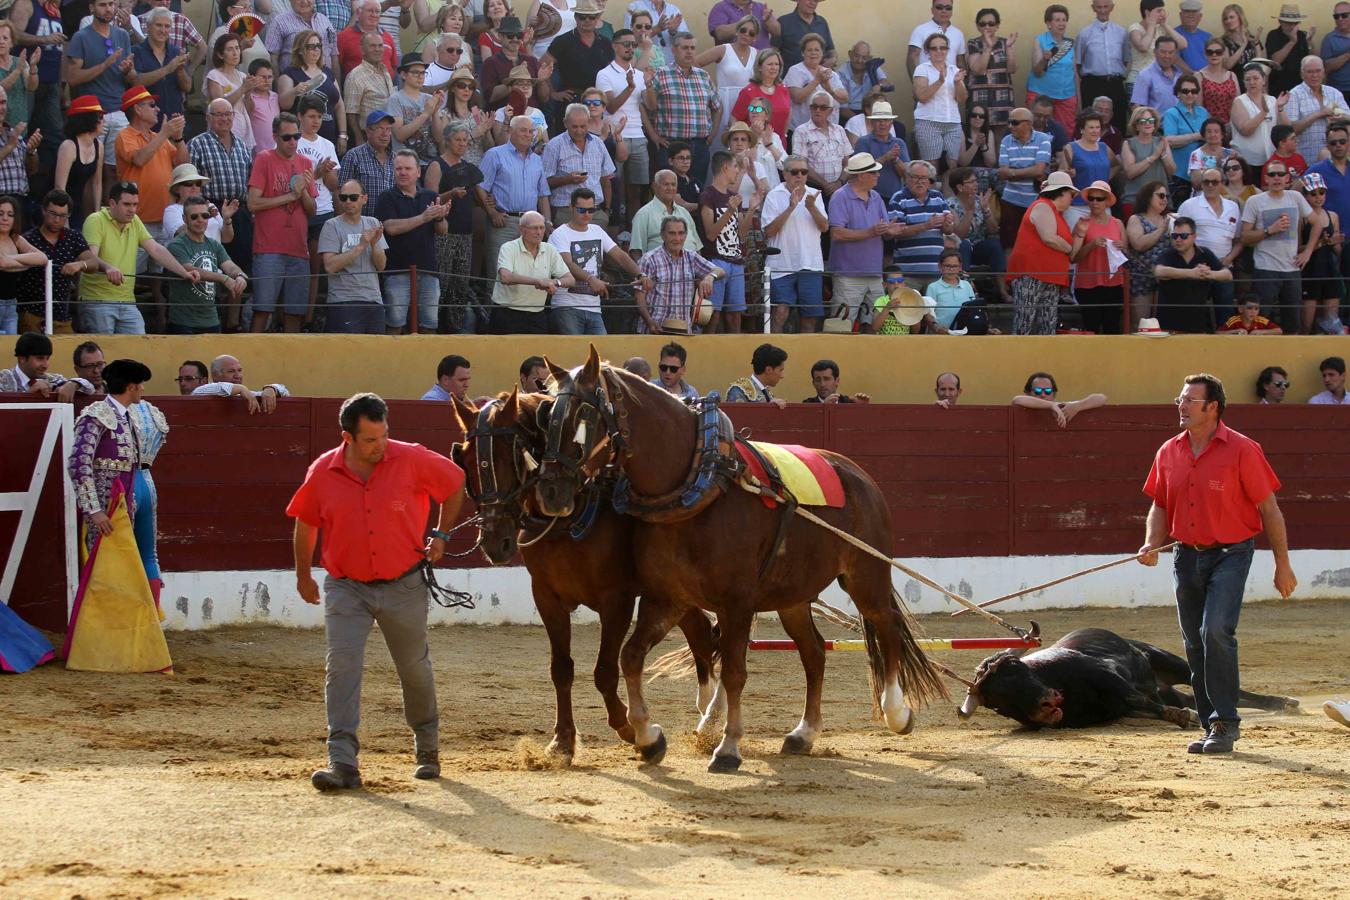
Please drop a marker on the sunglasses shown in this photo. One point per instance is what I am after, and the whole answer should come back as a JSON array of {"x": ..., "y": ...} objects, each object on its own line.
[
  {"x": 1280, "y": 384},
  {"x": 314, "y": 46},
  {"x": 1233, "y": 167},
  {"x": 455, "y": 50},
  {"x": 1339, "y": 16},
  {"x": 593, "y": 101},
  {"x": 1146, "y": 120},
  {"x": 987, "y": 24},
  {"x": 1185, "y": 91},
  {"x": 821, "y": 106},
  {"x": 896, "y": 280},
  {"x": 947, "y": 8},
  {"x": 1043, "y": 392},
  {"x": 1339, "y": 142},
  {"x": 937, "y": 47},
  {"x": 1211, "y": 182},
  {"x": 762, "y": 109},
  {"x": 746, "y": 31},
  {"x": 642, "y": 28},
  {"x": 796, "y": 171},
  {"x": 1182, "y": 235},
  {"x": 1276, "y": 173},
  {"x": 1019, "y": 121},
  {"x": 978, "y": 115},
  {"x": 1161, "y": 194},
  {"x": 671, "y": 370},
  {"x": 1096, "y": 199},
  {"x": 289, "y": 137},
  {"x": 583, "y": 210},
  {"x": 198, "y": 217},
  {"x": 349, "y": 198},
  {"x": 1214, "y": 51},
  {"x": 628, "y": 44}
]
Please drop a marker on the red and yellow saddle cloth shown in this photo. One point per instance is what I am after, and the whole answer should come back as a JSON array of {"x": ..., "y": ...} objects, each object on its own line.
[{"x": 803, "y": 471}]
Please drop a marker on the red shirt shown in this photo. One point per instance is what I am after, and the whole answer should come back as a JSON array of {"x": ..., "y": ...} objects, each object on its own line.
[
  {"x": 281, "y": 229},
  {"x": 1260, "y": 323},
  {"x": 349, "y": 51},
  {"x": 1211, "y": 498},
  {"x": 374, "y": 529},
  {"x": 1033, "y": 257}
]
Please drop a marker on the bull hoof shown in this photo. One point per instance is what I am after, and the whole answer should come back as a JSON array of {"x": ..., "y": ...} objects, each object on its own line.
[
  {"x": 1290, "y": 704},
  {"x": 795, "y": 745},
  {"x": 654, "y": 753},
  {"x": 626, "y": 734},
  {"x": 723, "y": 765}
]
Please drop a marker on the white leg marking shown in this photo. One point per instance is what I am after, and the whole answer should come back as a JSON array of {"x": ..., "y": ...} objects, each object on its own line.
[
  {"x": 714, "y": 709},
  {"x": 706, "y": 691},
  {"x": 899, "y": 717},
  {"x": 804, "y": 733}
]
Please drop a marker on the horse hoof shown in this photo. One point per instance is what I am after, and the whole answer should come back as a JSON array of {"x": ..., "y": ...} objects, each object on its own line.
[
  {"x": 796, "y": 745},
  {"x": 560, "y": 753},
  {"x": 722, "y": 765},
  {"x": 654, "y": 753},
  {"x": 626, "y": 734}
]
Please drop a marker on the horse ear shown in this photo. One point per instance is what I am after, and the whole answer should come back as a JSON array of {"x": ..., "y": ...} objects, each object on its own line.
[
  {"x": 464, "y": 413},
  {"x": 511, "y": 406},
  {"x": 592, "y": 368},
  {"x": 559, "y": 373}
]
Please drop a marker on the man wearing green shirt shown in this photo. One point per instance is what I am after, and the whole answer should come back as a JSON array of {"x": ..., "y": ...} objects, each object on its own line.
[
  {"x": 114, "y": 233},
  {"x": 192, "y": 306}
]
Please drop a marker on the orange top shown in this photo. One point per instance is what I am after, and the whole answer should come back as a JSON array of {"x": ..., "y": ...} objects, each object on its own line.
[
  {"x": 1031, "y": 256},
  {"x": 1094, "y": 271}
]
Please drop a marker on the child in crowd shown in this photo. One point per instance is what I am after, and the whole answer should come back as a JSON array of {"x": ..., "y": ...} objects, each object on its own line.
[
  {"x": 1286, "y": 151},
  {"x": 1248, "y": 319},
  {"x": 949, "y": 292},
  {"x": 262, "y": 104}
]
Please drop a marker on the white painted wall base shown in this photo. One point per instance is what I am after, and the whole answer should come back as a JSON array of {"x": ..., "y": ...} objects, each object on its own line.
[{"x": 197, "y": 600}]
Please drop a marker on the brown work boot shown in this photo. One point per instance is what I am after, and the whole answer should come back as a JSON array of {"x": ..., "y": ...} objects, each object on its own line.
[
  {"x": 337, "y": 777},
  {"x": 428, "y": 765}
]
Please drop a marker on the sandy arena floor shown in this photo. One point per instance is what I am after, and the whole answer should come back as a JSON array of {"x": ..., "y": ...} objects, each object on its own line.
[{"x": 197, "y": 785}]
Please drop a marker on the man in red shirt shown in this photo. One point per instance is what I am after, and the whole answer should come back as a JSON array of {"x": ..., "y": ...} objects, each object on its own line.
[
  {"x": 349, "y": 39},
  {"x": 370, "y": 496},
  {"x": 1213, "y": 491}
]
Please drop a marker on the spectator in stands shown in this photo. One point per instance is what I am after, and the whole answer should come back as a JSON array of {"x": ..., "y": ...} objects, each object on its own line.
[
  {"x": 825, "y": 379},
  {"x": 1322, "y": 239},
  {"x": 16, "y": 257},
  {"x": 947, "y": 389},
  {"x": 1270, "y": 224},
  {"x": 768, "y": 364},
  {"x": 1249, "y": 321},
  {"x": 306, "y": 77},
  {"x": 225, "y": 163},
  {"x": 766, "y": 89},
  {"x": 38, "y": 26},
  {"x": 584, "y": 248},
  {"x": 227, "y": 380},
  {"x": 366, "y": 20},
  {"x": 496, "y": 68},
  {"x": 227, "y": 81},
  {"x": 1192, "y": 56},
  {"x": 1043, "y": 118},
  {"x": 724, "y": 229},
  {"x": 353, "y": 248},
  {"x": 1102, "y": 51},
  {"x": 949, "y": 292},
  {"x": 672, "y": 364},
  {"x": 451, "y": 173},
  {"x": 520, "y": 85},
  {"x": 923, "y": 219},
  {"x": 624, "y": 85},
  {"x": 862, "y": 76},
  {"x": 368, "y": 86},
  {"x": 192, "y": 305},
  {"x": 886, "y": 148},
  {"x": 671, "y": 273},
  {"x": 940, "y": 23},
  {"x": 688, "y": 185},
  {"x": 162, "y": 64},
  {"x": 684, "y": 105},
  {"x": 79, "y": 159},
  {"x": 191, "y": 375},
  {"x": 534, "y": 374},
  {"x": 18, "y": 153},
  {"x": 453, "y": 375},
  {"x": 115, "y": 234},
  {"x": 824, "y": 145},
  {"x": 580, "y": 54},
  {"x": 1054, "y": 74},
  {"x": 32, "y": 355},
  {"x": 858, "y": 224},
  {"x": 1112, "y": 136},
  {"x": 281, "y": 197},
  {"x": 1333, "y": 379},
  {"x": 529, "y": 272},
  {"x": 1335, "y": 173},
  {"x": 418, "y": 111},
  {"x": 70, "y": 255},
  {"x": 1311, "y": 107},
  {"x": 1218, "y": 223},
  {"x": 412, "y": 217},
  {"x": 793, "y": 28},
  {"x": 1286, "y": 46},
  {"x": 372, "y": 163},
  {"x": 1252, "y": 116},
  {"x": 576, "y": 159},
  {"x": 808, "y": 78},
  {"x": 794, "y": 218},
  {"x": 973, "y": 212},
  {"x": 287, "y": 26},
  {"x": 1144, "y": 157},
  {"x": 1024, "y": 157},
  {"x": 1041, "y": 391},
  {"x": 1039, "y": 261},
  {"x": 99, "y": 55},
  {"x": 638, "y": 366},
  {"x": 646, "y": 234},
  {"x": 1099, "y": 291},
  {"x": 88, "y": 362},
  {"x": 726, "y": 17},
  {"x": 1087, "y": 160},
  {"x": 1286, "y": 152},
  {"x": 513, "y": 184},
  {"x": 1187, "y": 308},
  {"x": 1273, "y": 381},
  {"x": 1154, "y": 86}
]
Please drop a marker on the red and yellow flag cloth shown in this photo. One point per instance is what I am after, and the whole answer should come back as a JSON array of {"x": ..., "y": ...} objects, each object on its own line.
[
  {"x": 114, "y": 626},
  {"x": 807, "y": 474}
]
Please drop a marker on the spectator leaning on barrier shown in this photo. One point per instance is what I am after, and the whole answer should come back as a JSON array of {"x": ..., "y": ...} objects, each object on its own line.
[
  {"x": 70, "y": 255},
  {"x": 584, "y": 248},
  {"x": 1041, "y": 392},
  {"x": 32, "y": 355},
  {"x": 453, "y": 375},
  {"x": 353, "y": 249},
  {"x": 88, "y": 362},
  {"x": 947, "y": 389},
  {"x": 191, "y": 375},
  {"x": 794, "y": 219},
  {"x": 1249, "y": 321},
  {"x": 1270, "y": 225},
  {"x": 672, "y": 275},
  {"x": 825, "y": 379},
  {"x": 192, "y": 305},
  {"x": 1333, "y": 380},
  {"x": 227, "y": 380},
  {"x": 1186, "y": 276},
  {"x": 529, "y": 272}
]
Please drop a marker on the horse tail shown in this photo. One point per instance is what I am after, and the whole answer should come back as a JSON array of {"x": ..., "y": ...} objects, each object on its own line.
[
  {"x": 876, "y": 666},
  {"x": 920, "y": 678}
]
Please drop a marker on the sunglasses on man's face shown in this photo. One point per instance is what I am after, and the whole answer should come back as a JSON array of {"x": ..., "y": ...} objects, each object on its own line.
[
  {"x": 1280, "y": 384},
  {"x": 795, "y": 171},
  {"x": 349, "y": 198},
  {"x": 1337, "y": 142},
  {"x": 987, "y": 24},
  {"x": 670, "y": 370},
  {"x": 1182, "y": 235},
  {"x": 1211, "y": 182},
  {"x": 821, "y": 106},
  {"x": 1339, "y": 16},
  {"x": 1276, "y": 173},
  {"x": 295, "y": 136},
  {"x": 198, "y": 217},
  {"x": 583, "y": 210},
  {"x": 1042, "y": 391}
]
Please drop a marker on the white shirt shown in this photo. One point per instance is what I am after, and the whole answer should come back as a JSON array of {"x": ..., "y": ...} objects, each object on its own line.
[
  {"x": 799, "y": 239},
  {"x": 316, "y": 151},
  {"x": 173, "y": 220},
  {"x": 587, "y": 248},
  {"x": 614, "y": 79},
  {"x": 1215, "y": 232},
  {"x": 955, "y": 39},
  {"x": 1326, "y": 398},
  {"x": 226, "y": 389},
  {"x": 800, "y": 76},
  {"x": 942, "y": 107}
]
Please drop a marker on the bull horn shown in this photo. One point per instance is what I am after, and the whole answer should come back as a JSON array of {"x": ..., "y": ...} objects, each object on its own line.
[{"x": 969, "y": 705}]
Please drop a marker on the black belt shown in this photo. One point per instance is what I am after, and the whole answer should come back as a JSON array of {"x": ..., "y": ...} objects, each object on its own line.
[
  {"x": 1201, "y": 548},
  {"x": 145, "y": 466},
  {"x": 1105, "y": 77},
  {"x": 513, "y": 214},
  {"x": 378, "y": 581}
]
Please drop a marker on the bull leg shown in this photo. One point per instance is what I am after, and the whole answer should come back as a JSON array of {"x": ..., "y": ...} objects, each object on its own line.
[
  {"x": 559, "y": 627},
  {"x": 615, "y": 617},
  {"x": 799, "y": 625},
  {"x": 735, "y": 639},
  {"x": 655, "y": 619},
  {"x": 1267, "y": 701}
]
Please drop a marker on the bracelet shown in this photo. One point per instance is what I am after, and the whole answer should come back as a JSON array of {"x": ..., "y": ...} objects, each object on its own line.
[{"x": 442, "y": 535}]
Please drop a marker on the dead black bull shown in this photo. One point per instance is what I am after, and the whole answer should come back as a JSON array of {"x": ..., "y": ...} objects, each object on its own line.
[{"x": 1091, "y": 677}]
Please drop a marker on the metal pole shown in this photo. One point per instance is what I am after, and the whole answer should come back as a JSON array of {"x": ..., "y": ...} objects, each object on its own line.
[
  {"x": 413, "y": 311},
  {"x": 47, "y": 290},
  {"x": 768, "y": 302}
]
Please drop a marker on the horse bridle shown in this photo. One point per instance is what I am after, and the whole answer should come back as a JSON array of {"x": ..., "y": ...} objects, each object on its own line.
[
  {"x": 593, "y": 408},
  {"x": 490, "y": 497}
]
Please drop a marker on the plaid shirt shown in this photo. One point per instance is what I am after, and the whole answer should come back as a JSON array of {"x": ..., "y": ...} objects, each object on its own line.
[
  {"x": 13, "y": 172},
  {"x": 376, "y": 177},
  {"x": 673, "y": 292},
  {"x": 684, "y": 103},
  {"x": 279, "y": 36},
  {"x": 561, "y": 157},
  {"x": 825, "y": 149},
  {"x": 181, "y": 31},
  {"x": 338, "y": 12},
  {"x": 365, "y": 89},
  {"x": 1302, "y": 102},
  {"x": 227, "y": 170}
]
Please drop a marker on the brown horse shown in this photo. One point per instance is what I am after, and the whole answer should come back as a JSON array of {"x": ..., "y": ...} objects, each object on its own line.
[
  {"x": 703, "y": 548},
  {"x": 595, "y": 571}
]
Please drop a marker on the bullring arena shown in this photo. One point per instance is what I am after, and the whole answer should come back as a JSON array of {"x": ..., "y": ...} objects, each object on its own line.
[{"x": 196, "y": 784}]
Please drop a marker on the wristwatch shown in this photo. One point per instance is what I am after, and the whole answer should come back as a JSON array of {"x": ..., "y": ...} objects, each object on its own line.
[
  {"x": 443, "y": 535},
  {"x": 557, "y": 283}
]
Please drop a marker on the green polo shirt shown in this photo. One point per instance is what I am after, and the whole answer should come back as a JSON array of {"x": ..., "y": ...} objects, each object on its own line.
[{"x": 117, "y": 246}]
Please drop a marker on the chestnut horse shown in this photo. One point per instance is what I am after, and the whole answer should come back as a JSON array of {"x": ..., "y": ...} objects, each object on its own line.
[
  {"x": 595, "y": 571},
  {"x": 703, "y": 548}
]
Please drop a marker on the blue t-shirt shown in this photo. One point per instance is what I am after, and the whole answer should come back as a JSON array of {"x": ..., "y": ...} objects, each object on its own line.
[
  {"x": 166, "y": 89},
  {"x": 1178, "y": 121},
  {"x": 92, "y": 48},
  {"x": 1194, "y": 54},
  {"x": 1333, "y": 45},
  {"x": 887, "y": 181},
  {"x": 1057, "y": 82}
]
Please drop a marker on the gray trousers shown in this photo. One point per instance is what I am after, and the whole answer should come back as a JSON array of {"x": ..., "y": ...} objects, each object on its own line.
[
  {"x": 493, "y": 241},
  {"x": 400, "y": 607}
]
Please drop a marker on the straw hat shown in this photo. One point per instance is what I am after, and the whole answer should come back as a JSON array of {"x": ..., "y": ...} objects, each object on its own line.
[
  {"x": 1289, "y": 12},
  {"x": 881, "y": 110},
  {"x": 702, "y": 316},
  {"x": 1056, "y": 181},
  {"x": 861, "y": 164},
  {"x": 737, "y": 128},
  {"x": 1151, "y": 328},
  {"x": 465, "y": 73},
  {"x": 185, "y": 174},
  {"x": 587, "y": 8},
  {"x": 1103, "y": 187},
  {"x": 913, "y": 307},
  {"x": 520, "y": 73}
]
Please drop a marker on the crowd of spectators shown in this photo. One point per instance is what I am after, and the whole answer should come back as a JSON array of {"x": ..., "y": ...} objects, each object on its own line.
[{"x": 540, "y": 169}]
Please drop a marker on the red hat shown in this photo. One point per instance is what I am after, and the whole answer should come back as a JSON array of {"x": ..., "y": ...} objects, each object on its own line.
[
  {"x": 135, "y": 94},
  {"x": 86, "y": 103}
]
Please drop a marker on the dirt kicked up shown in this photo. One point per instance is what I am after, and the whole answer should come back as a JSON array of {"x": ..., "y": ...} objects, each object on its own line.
[{"x": 197, "y": 784}]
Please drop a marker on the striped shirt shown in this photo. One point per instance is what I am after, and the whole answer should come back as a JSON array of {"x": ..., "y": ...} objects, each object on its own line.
[
  {"x": 561, "y": 157},
  {"x": 684, "y": 102},
  {"x": 226, "y": 171},
  {"x": 181, "y": 30},
  {"x": 1016, "y": 155},
  {"x": 279, "y": 36},
  {"x": 918, "y": 254}
]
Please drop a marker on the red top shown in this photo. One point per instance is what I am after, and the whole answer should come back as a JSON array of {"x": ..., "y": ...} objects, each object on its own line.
[
  {"x": 374, "y": 529},
  {"x": 1032, "y": 257},
  {"x": 1211, "y": 498},
  {"x": 349, "y": 51},
  {"x": 1217, "y": 97},
  {"x": 282, "y": 229},
  {"x": 1095, "y": 269},
  {"x": 1236, "y": 323},
  {"x": 779, "y": 99}
]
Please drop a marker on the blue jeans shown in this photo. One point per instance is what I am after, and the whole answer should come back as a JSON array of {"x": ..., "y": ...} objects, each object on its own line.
[
  {"x": 575, "y": 320},
  {"x": 9, "y": 316},
  {"x": 988, "y": 252},
  {"x": 398, "y": 296},
  {"x": 1209, "y": 600},
  {"x": 728, "y": 294},
  {"x": 112, "y": 318}
]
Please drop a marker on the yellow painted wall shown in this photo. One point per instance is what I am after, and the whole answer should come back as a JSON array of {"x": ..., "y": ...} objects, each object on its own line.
[{"x": 1127, "y": 369}]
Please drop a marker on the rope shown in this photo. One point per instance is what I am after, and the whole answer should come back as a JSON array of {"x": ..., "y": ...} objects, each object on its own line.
[
  {"x": 542, "y": 534},
  {"x": 837, "y": 616}
]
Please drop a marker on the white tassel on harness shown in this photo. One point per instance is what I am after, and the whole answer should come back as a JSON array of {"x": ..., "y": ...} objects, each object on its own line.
[
  {"x": 580, "y": 439},
  {"x": 530, "y": 464}
]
